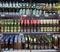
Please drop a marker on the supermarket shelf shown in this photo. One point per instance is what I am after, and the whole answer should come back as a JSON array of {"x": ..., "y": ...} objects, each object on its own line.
[
  {"x": 18, "y": 7},
  {"x": 36, "y": 1},
  {"x": 4, "y": 15},
  {"x": 19, "y": 14},
  {"x": 9, "y": 7},
  {"x": 41, "y": 32},
  {"x": 44, "y": 50},
  {"x": 10, "y": 33},
  {"x": 31, "y": 32},
  {"x": 10, "y": 15},
  {"x": 32, "y": 51}
]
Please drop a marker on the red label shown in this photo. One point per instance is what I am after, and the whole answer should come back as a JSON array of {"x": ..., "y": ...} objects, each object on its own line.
[
  {"x": 34, "y": 21},
  {"x": 21, "y": 21},
  {"x": 31, "y": 22},
  {"x": 24, "y": 21},
  {"x": 37, "y": 21},
  {"x": 27, "y": 21},
  {"x": 22, "y": 17}
]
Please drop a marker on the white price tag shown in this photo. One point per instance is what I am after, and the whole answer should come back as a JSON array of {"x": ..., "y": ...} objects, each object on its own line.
[
  {"x": 37, "y": 15},
  {"x": 46, "y": 15},
  {"x": 21, "y": 33},
  {"x": 2, "y": 15},
  {"x": 48, "y": 34}
]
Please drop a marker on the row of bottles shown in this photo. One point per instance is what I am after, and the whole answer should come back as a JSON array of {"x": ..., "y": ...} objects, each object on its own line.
[
  {"x": 16, "y": 4},
  {"x": 9, "y": 41},
  {"x": 26, "y": 11},
  {"x": 40, "y": 22},
  {"x": 13, "y": 25},
  {"x": 0, "y": 26},
  {"x": 9, "y": 10},
  {"x": 10, "y": 4},
  {"x": 30, "y": 42},
  {"x": 40, "y": 29},
  {"x": 51, "y": 7},
  {"x": 10, "y": 25},
  {"x": 25, "y": 8},
  {"x": 41, "y": 42},
  {"x": 24, "y": 5},
  {"x": 51, "y": 25}
]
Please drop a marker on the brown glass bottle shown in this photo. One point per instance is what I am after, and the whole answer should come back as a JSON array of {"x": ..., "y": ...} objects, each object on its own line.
[
  {"x": 42, "y": 42},
  {"x": 27, "y": 25},
  {"x": 26, "y": 42},
  {"x": 55, "y": 42},
  {"x": 0, "y": 26}
]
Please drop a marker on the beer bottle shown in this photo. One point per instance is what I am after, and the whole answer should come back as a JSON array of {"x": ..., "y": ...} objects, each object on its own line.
[
  {"x": 19, "y": 26},
  {"x": 34, "y": 25},
  {"x": 22, "y": 25},
  {"x": 49, "y": 39},
  {"x": 39, "y": 42},
  {"x": 11, "y": 41},
  {"x": 26, "y": 42},
  {"x": 42, "y": 42},
  {"x": 23, "y": 41},
  {"x": 0, "y": 26},
  {"x": 35, "y": 46},
  {"x": 37, "y": 25},
  {"x": 59, "y": 27},
  {"x": 24, "y": 22},
  {"x": 34, "y": 12},
  {"x": 27, "y": 25},
  {"x": 55, "y": 42},
  {"x": 5, "y": 25},
  {"x": 0, "y": 4},
  {"x": 41, "y": 26},
  {"x": 45, "y": 43}
]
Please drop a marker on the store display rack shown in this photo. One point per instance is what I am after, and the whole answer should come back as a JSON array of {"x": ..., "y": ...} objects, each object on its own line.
[{"x": 29, "y": 29}]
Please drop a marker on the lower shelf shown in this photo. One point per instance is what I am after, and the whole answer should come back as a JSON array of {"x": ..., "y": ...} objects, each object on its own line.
[{"x": 32, "y": 51}]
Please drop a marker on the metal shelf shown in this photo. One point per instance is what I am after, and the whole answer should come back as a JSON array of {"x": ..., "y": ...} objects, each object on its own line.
[
  {"x": 32, "y": 32},
  {"x": 17, "y": 15},
  {"x": 33, "y": 51}
]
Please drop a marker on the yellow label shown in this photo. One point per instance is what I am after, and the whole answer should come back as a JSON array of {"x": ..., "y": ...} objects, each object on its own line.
[
  {"x": 44, "y": 29},
  {"x": 54, "y": 29},
  {"x": 50, "y": 21},
  {"x": 57, "y": 8},
  {"x": 57, "y": 4},
  {"x": 41, "y": 29},
  {"x": 50, "y": 29},
  {"x": 44, "y": 21},
  {"x": 57, "y": 29}
]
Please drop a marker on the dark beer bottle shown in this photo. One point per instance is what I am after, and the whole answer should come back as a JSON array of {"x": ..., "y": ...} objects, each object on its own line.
[
  {"x": 55, "y": 41},
  {"x": 27, "y": 25}
]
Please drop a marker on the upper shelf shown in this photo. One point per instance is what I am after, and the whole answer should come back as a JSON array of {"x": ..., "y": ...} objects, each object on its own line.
[
  {"x": 12, "y": 15},
  {"x": 44, "y": 33},
  {"x": 33, "y": 51},
  {"x": 36, "y": 1}
]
